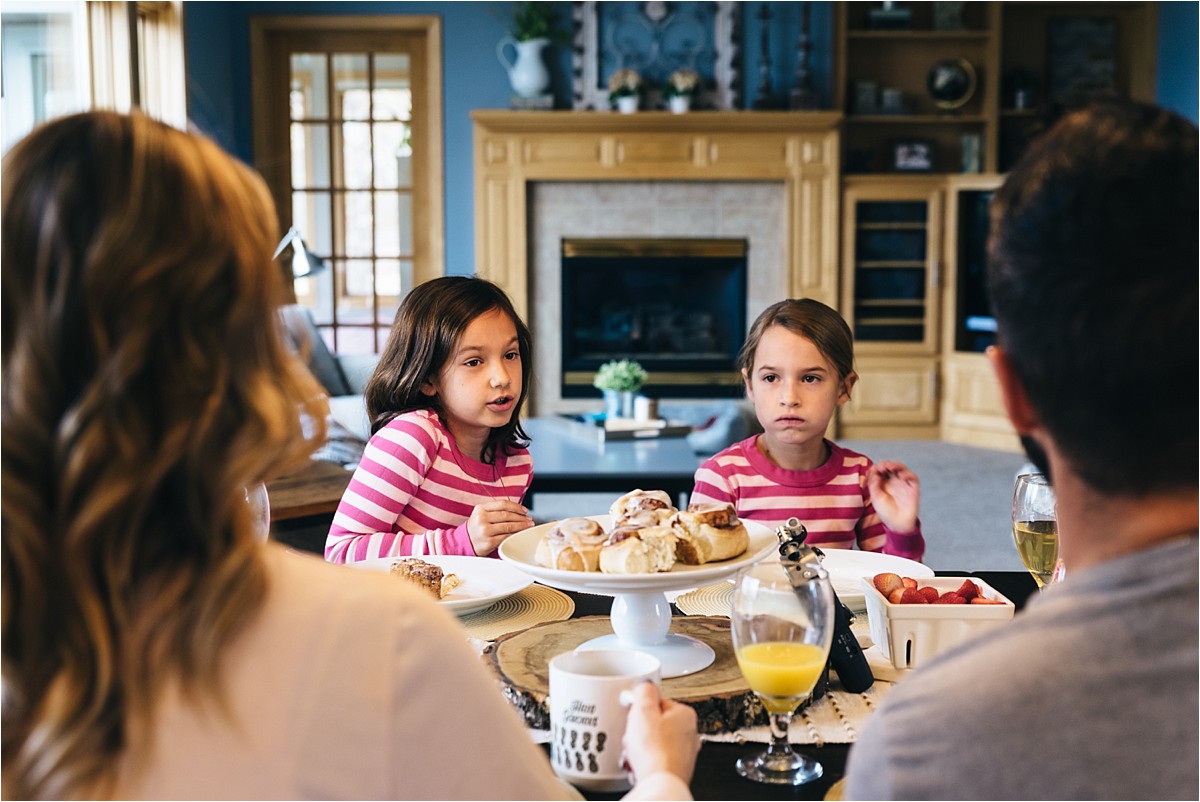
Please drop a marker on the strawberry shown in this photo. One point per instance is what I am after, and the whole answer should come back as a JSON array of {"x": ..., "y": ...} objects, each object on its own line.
[
  {"x": 887, "y": 582},
  {"x": 896, "y": 595},
  {"x": 982, "y": 600},
  {"x": 931, "y": 593},
  {"x": 969, "y": 590},
  {"x": 909, "y": 582},
  {"x": 949, "y": 597},
  {"x": 912, "y": 596}
]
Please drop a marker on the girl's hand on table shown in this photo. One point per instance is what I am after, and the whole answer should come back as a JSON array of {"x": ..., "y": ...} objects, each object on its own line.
[
  {"x": 492, "y": 523},
  {"x": 895, "y": 493},
  {"x": 660, "y": 735}
]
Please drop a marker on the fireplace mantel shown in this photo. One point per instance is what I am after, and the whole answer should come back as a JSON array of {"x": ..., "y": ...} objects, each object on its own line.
[{"x": 799, "y": 149}]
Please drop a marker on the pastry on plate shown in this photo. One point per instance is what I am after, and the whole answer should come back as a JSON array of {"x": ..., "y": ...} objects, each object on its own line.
[
  {"x": 640, "y": 501},
  {"x": 638, "y": 550},
  {"x": 708, "y": 533},
  {"x": 573, "y": 544},
  {"x": 425, "y": 575}
]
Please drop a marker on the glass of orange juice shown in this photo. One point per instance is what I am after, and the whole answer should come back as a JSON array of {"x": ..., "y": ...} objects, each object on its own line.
[{"x": 781, "y": 637}]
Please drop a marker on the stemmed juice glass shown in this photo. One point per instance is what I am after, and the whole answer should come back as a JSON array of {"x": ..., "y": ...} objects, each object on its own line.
[
  {"x": 781, "y": 637},
  {"x": 1035, "y": 528}
]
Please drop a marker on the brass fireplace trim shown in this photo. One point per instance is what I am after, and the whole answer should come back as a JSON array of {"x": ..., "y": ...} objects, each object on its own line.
[{"x": 655, "y": 247}]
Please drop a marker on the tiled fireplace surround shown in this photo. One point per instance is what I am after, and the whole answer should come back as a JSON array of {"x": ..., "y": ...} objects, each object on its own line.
[
  {"x": 539, "y": 177},
  {"x": 754, "y": 211}
]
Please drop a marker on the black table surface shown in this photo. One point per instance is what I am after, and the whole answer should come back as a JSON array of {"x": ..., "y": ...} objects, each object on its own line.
[{"x": 716, "y": 777}]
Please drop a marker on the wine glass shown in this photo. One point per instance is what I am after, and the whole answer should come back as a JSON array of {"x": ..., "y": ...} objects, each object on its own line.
[
  {"x": 781, "y": 637},
  {"x": 1035, "y": 528},
  {"x": 260, "y": 509}
]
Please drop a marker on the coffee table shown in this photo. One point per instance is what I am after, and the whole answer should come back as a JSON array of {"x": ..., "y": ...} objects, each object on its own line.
[{"x": 569, "y": 459}]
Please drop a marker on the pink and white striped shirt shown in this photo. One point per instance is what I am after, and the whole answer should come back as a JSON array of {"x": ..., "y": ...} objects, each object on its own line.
[
  {"x": 831, "y": 501},
  {"x": 413, "y": 492}
]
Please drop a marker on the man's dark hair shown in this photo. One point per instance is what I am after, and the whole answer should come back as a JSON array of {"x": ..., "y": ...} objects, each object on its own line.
[{"x": 1092, "y": 268}]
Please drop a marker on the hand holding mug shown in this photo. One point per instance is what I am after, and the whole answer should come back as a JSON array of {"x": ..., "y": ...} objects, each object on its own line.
[{"x": 660, "y": 735}]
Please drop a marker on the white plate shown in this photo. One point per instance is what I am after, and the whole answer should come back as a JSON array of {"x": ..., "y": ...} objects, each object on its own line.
[
  {"x": 847, "y": 566},
  {"x": 484, "y": 581},
  {"x": 521, "y": 548}
]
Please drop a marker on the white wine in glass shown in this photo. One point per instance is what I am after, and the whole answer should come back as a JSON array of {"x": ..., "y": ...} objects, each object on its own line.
[
  {"x": 781, "y": 637},
  {"x": 1035, "y": 528}
]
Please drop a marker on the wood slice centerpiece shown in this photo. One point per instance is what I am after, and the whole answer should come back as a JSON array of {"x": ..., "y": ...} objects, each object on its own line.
[{"x": 719, "y": 694}]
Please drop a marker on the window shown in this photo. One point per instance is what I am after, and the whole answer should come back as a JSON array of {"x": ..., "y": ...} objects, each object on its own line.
[
  {"x": 63, "y": 57},
  {"x": 348, "y": 134}
]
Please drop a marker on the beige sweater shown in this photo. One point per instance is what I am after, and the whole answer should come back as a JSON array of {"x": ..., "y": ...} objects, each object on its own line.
[{"x": 349, "y": 685}]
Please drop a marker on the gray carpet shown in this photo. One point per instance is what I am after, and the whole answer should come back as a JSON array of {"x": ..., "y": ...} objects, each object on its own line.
[{"x": 966, "y": 501}]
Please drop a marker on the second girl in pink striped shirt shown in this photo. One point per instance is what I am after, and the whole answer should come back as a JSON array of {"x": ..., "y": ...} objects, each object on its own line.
[
  {"x": 798, "y": 367},
  {"x": 447, "y": 465}
]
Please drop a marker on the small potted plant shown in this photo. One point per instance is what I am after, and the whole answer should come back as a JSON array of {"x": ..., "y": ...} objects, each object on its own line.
[
  {"x": 625, "y": 90},
  {"x": 619, "y": 380},
  {"x": 680, "y": 88}
]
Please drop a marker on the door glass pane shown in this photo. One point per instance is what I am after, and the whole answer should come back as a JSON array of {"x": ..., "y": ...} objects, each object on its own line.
[
  {"x": 311, "y": 217},
  {"x": 352, "y": 100},
  {"x": 392, "y": 147},
  {"x": 359, "y": 224},
  {"x": 387, "y": 232},
  {"x": 309, "y": 85},
  {"x": 354, "y": 155},
  {"x": 355, "y": 340},
  {"x": 393, "y": 97},
  {"x": 310, "y": 155},
  {"x": 387, "y": 281}
]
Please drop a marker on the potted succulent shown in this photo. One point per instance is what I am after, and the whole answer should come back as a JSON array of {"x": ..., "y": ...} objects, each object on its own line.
[
  {"x": 625, "y": 90},
  {"x": 680, "y": 88},
  {"x": 619, "y": 380}
]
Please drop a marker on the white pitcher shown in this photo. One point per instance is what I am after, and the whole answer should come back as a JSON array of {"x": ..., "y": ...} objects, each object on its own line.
[{"x": 527, "y": 73}]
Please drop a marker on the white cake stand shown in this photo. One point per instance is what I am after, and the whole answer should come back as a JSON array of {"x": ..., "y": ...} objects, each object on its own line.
[{"x": 641, "y": 614}]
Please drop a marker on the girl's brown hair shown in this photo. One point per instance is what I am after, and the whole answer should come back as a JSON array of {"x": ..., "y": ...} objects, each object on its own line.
[
  {"x": 428, "y": 326},
  {"x": 807, "y": 318},
  {"x": 146, "y": 385}
]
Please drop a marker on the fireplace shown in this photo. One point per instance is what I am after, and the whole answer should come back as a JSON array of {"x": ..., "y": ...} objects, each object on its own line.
[
  {"x": 677, "y": 306},
  {"x": 768, "y": 179}
]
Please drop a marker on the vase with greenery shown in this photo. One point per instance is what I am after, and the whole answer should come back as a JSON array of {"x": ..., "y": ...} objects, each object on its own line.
[
  {"x": 619, "y": 380},
  {"x": 534, "y": 27}
]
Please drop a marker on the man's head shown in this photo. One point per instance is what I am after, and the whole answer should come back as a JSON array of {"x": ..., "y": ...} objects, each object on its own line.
[{"x": 1092, "y": 267}]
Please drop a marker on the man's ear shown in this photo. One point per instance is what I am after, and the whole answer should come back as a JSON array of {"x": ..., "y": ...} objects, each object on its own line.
[
  {"x": 848, "y": 383},
  {"x": 1012, "y": 390}
]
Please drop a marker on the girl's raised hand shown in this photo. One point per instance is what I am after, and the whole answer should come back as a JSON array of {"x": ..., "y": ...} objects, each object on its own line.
[
  {"x": 491, "y": 523},
  {"x": 896, "y": 494}
]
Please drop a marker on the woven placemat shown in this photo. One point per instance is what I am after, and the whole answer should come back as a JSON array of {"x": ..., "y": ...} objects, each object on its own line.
[
  {"x": 714, "y": 599},
  {"x": 536, "y": 604}
]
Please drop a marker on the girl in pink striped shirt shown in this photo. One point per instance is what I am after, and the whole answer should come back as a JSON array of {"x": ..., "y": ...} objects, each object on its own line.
[
  {"x": 447, "y": 465},
  {"x": 798, "y": 367}
]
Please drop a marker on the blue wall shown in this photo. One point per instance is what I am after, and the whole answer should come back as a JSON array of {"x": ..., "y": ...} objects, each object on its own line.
[
  {"x": 1178, "y": 73},
  {"x": 218, "y": 65}
]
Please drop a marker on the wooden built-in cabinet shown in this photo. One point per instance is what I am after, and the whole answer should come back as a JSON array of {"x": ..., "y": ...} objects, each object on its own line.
[
  {"x": 1018, "y": 52},
  {"x": 913, "y": 243},
  {"x": 891, "y": 295}
]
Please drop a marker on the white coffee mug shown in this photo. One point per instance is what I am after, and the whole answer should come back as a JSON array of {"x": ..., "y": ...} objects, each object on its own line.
[{"x": 589, "y": 703}]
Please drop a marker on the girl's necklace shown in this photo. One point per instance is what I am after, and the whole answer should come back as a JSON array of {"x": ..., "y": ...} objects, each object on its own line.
[{"x": 496, "y": 477}]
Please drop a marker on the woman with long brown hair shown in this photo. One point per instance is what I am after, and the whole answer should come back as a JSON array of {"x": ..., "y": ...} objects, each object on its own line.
[{"x": 152, "y": 646}]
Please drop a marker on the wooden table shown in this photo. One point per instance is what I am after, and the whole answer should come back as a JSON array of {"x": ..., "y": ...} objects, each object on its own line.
[
  {"x": 314, "y": 490},
  {"x": 715, "y": 776}
]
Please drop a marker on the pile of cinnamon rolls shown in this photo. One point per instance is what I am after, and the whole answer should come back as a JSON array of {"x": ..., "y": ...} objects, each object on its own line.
[{"x": 648, "y": 535}]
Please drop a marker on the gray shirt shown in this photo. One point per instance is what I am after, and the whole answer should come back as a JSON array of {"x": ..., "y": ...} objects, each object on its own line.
[{"x": 1090, "y": 693}]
